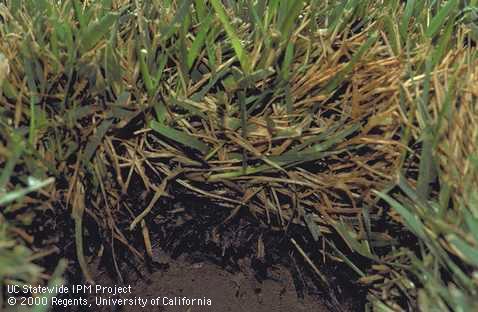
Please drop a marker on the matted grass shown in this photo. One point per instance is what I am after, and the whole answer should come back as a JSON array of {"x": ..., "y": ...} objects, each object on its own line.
[{"x": 300, "y": 112}]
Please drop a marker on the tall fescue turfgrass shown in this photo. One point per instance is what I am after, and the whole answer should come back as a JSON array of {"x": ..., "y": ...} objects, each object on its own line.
[
  {"x": 445, "y": 219},
  {"x": 301, "y": 112}
]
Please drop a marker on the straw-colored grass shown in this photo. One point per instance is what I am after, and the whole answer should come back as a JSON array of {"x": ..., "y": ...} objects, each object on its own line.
[{"x": 353, "y": 119}]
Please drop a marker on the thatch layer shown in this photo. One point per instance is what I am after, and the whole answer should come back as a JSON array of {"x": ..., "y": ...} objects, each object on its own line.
[{"x": 299, "y": 112}]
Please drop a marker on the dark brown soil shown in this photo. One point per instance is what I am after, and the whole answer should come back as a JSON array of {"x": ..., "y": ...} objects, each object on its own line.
[{"x": 238, "y": 292}]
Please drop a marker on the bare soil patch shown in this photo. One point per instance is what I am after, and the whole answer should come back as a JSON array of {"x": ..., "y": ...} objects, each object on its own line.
[{"x": 234, "y": 292}]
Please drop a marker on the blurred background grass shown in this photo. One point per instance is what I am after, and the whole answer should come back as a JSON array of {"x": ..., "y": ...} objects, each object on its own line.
[{"x": 356, "y": 120}]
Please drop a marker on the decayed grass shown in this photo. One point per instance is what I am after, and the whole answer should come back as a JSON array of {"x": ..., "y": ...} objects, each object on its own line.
[{"x": 301, "y": 112}]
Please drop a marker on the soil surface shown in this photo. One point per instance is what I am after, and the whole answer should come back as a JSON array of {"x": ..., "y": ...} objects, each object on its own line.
[{"x": 219, "y": 290}]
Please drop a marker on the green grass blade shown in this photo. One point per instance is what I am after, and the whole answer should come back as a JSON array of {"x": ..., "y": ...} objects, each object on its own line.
[
  {"x": 178, "y": 20},
  {"x": 241, "y": 53},
  {"x": 33, "y": 185},
  {"x": 180, "y": 137},
  {"x": 97, "y": 31},
  {"x": 409, "y": 7},
  {"x": 410, "y": 219},
  {"x": 393, "y": 34},
  {"x": 199, "y": 41},
  {"x": 96, "y": 140},
  {"x": 440, "y": 18},
  {"x": 80, "y": 16},
  {"x": 443, "y": 43},
  {"x": 466, "y": 251},
  {"x": 350, "y": 237},
  {"x": 147, "y": 79},
  {"x": 16, "y": 147},
  {"x": 294, "y": 9}
]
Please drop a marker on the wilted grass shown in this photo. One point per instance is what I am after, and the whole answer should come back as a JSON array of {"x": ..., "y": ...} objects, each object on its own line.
[{"x": 297, "y": 111}]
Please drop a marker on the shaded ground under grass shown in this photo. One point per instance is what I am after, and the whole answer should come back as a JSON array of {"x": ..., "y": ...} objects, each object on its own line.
[{"x": 228, "y": 291}]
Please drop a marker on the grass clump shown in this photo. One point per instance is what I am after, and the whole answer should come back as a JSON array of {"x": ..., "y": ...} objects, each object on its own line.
[
  {"x": 445, "y": 219},
  {"x": 304, "y": 113}
]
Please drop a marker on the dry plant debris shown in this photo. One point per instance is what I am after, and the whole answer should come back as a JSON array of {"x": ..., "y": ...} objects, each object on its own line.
[{"x": 355, "y": 120}]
